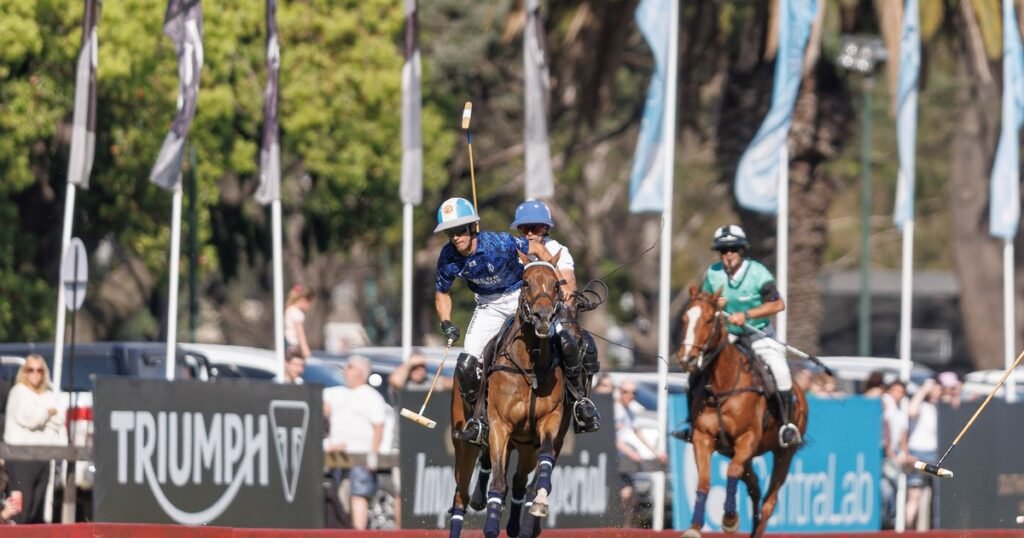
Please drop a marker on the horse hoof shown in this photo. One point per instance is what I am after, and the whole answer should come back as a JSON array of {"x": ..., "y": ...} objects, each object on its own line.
[
  {"x": 730, "y": 522},
  {"x": 477, "y": 503},
  {"x": 539, "y": 509},
  {"x": 691, "y": 533}
]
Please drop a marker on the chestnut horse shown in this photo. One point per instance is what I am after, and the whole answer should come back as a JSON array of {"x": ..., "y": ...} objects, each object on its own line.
[
  {"x": 525, "y": 395},
  {"x": 734, "y": 417}
]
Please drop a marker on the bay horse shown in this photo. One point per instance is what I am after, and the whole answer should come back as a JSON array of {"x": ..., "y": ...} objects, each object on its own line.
[
  {"x": 525, "y": 395},
  {"x": 733, "y": 418}
]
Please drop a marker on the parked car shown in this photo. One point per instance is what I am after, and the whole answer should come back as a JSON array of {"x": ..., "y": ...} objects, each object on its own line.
[
  {"x": 979, "y": 384},
  {"x": 853, "y": 371}
]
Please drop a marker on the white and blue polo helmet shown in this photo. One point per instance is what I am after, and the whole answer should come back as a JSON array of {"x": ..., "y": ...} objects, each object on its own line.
[
  {"x": 533, "y": 212},
  {"x": 730, "y": 235},
  {"x": 455, "y": 212}
]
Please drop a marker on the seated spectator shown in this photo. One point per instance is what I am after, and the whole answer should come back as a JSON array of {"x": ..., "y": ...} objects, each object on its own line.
[
  {"x": 631, "y": 444},
  {"x": 294, "y": 366},
  {"x": 356, "y": 412}
]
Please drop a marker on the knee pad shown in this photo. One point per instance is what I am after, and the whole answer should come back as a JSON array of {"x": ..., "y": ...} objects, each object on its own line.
[
  {"x": 470, "y": 373},
  {"x": 591, "y": 363}
]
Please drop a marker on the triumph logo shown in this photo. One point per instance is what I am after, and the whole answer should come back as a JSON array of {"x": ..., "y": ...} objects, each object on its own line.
[{"x": 231, "y": 449}]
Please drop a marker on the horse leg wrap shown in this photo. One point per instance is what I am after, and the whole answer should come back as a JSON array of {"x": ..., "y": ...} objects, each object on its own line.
[
  {"x": 547, "y": 462},
  {"x": 730, "y": 495},
  {"x": 515, "y": 511},
  {"x": 492, "y": 526},
  {"x": 698, "y": 509},
  {"x": 456, "y": 524}
]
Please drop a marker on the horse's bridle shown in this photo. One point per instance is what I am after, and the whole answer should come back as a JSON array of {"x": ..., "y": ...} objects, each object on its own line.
[
  {"x": 715, "y": 336},
  {"x": 526, "y": 310}
]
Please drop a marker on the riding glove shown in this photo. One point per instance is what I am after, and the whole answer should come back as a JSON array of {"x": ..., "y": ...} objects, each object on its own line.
[{"x": 450, "y": 331}]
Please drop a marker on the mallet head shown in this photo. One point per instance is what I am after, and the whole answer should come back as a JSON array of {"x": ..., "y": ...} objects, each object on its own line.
[
  {"x": 933, "y": 469},
  {"x": 418, "y": 418},
  {"x": 467, "y": 114}
]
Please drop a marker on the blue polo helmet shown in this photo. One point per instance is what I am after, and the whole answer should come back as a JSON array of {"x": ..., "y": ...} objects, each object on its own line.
[
  {"x": 455, "y": 212},
  {"x": 533, "y": 212}
]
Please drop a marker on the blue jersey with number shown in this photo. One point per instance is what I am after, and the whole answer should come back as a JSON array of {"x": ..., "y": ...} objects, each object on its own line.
[{"x": 493, "y": 268}]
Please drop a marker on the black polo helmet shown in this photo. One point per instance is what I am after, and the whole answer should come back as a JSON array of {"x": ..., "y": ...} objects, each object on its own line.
[{"x": 730, "y": 235}]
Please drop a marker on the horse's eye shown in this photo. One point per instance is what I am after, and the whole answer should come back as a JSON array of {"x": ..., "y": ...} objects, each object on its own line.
[{"x": 526, "y": 284}]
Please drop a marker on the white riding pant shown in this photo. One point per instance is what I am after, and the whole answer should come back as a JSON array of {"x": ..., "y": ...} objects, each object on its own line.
[
  {"x": 490, "y": 313},
  {"x": 774, "y": 355}
]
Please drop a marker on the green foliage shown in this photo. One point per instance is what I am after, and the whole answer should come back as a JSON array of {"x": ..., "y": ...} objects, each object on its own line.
[{"x": 340, "y": 97}]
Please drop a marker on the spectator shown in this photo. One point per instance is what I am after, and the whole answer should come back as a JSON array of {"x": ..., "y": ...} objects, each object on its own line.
[
  {"x": 299, "y": 301},
  {"x": 356, "y": 412},
  {"x": 33, "y": 418},
  {"x": 802, "y": 378},
  {"x": 412, "y": 375},
  {"x": 952, "y": 389},
  {"x": 604, "y": 384},
  {"x": 922, "y": 444},
  {"x": 12, "y": 507},
  {"x": 631, "y": 445},
  {"x": 294, "y": 366},
  {"x": 874, "y": 385},
  {"x": 824, "y": 386},
  {"x": 894, "y": 445}
]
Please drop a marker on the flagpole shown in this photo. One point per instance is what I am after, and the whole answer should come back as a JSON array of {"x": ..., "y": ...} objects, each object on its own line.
[
  {"x": 65, "y": 240},
  {"x": 1009, "y": 321},
  {"x": 906, "y": 299},
  {"x": 665, "y": 277},
  {"x": 782, "y": 233},
  {"x": 407, "y": 268},
  {"x": 172, "y": 289},
  {"x": 275, "y": 226}
]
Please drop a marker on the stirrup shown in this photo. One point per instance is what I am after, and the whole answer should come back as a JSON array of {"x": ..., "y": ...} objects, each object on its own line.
[
  {"x": 580, "y": 424},
  {"x": 475, "y": 432},
  {"x": 797, "y": 439}
]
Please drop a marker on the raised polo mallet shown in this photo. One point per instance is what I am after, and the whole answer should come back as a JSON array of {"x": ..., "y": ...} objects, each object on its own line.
[
  {"x": 418, "y": 418},
  {"x": 467, "y": 115},
  {"x": 937, "y": 469}
]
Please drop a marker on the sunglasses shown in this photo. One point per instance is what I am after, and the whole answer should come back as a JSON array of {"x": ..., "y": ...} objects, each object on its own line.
[
  {"x": 463, "y": 230},
  {"x": 33, "y": 370},
  {"x": 725, "y": 250},
  {"x": 535, "y": 229}
]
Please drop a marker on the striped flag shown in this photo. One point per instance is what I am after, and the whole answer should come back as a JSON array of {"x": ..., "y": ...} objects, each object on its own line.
[
  {"x": 757, "y": 174},
  {"x": 1004, "y": 202},
  {"x": 906, "y": 112},
  {"x": 183, "y": 23},
  {"x": 411, "y": 190},
  {"x": 270, "y": 150},
  {"x": 539, "y": 182},
  {"x": 648, "y": 175},
  {"x": 83, "y": 130}
]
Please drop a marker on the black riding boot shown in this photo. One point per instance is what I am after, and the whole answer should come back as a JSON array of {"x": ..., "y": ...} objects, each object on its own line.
[
  {"x": 585, "y": 417},
  {"x": 789, "y": 434},
  {"x": 469, "y": 372}
]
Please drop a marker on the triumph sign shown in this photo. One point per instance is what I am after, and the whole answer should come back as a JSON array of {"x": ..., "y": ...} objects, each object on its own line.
[{"x": 231, "y": 453}]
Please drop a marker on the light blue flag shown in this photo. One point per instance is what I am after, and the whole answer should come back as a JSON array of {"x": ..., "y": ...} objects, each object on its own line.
[
  {"x": 906, "y": 112},
  {"x": 757, "y": 175},
  {"x": 1004, "y": 204},
  {"x": 648, "y": 176}
]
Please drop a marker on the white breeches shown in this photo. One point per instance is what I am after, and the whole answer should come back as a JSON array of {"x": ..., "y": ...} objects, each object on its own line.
[
  {"x": 490, "y": 313},
  {"x": 774, "y": 355}
]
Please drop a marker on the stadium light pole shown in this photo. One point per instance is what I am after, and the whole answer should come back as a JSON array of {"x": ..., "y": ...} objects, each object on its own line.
[{"x": 861, "y": 54}]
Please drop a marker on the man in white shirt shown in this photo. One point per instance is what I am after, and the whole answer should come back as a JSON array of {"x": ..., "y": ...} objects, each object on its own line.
[{"x": 356, "y": 413}]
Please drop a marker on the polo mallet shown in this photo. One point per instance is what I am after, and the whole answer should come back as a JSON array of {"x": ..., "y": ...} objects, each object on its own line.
[
  {"x": 937, "y": 469},
  {"x": 418, "y": 418},
  {"x": 789, "y": 348},
  {"x": 467, "y": 115}
]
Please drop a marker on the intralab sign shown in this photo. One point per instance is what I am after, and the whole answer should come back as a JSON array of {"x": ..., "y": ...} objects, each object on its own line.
[
  {"x": 833, "y": 482},
  {"x": 231, "y": 453}
]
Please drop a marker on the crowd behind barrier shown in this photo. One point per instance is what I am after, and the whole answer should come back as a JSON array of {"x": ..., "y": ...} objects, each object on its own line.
[{"x": 908, "y": 431}]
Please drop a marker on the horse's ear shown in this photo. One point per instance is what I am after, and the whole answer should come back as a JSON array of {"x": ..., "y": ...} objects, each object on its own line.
[
  {"x": 693, "y": 289},
  {"x": 717, "y": 294},
  {"x": 523, "y": 257}
]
